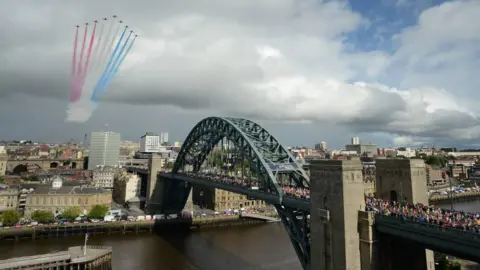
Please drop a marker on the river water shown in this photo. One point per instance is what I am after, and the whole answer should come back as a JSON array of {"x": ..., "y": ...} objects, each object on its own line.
[{"x": 256, "y": 247}]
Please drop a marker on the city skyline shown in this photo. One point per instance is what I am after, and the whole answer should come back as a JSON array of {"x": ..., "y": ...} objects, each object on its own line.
[{"x": 396, "y": 72}]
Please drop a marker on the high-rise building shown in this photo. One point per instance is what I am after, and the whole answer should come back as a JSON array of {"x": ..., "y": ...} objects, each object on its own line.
[
  {"x": 163, "y": 137},
  {"x": 150, "y": 143},
  {"x": 321, "y": 146},
  {"x": 355, "y": 140},
  {"x": 104, "y": 149}
]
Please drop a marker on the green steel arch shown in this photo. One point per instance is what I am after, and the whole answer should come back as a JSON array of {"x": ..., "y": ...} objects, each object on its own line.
[
  {"x": 267, "y": 157},
  {"x": 270, "y": 157}
]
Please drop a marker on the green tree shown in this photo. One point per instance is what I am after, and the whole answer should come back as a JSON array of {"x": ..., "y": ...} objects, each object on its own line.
[
  {"x": 98, "y": 211},
  {"x": 10, "y": 217},
  {"x": 71, "y": 213},
  {"x": 2, "y": 180},
  {"x": 169, "y": 165},
  {"x": 438, "y": 161},
  {"x": 33, "y": 178},
  {"x": 42, "y": 216}
]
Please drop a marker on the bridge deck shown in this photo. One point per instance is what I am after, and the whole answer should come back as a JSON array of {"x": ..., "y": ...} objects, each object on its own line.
[
  {"x": 258, "y": 195},
  {"x": 462, "y": 244}
]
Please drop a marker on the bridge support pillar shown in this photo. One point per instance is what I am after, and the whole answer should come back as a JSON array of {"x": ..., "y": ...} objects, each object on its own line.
[
  {"x": 337, "y": 194},
  {"x": 404, "y": 180},
  {"x": 368, "y": 241},
  {"x": 398, "y": 254},
  {"x": 155, "y": 185}
]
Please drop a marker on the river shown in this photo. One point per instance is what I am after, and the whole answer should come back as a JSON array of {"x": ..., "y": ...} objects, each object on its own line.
[{"x": 257, "y": 247}]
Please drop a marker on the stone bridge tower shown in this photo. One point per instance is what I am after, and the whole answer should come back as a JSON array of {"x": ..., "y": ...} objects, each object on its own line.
[{"x": 337, "y": 194}]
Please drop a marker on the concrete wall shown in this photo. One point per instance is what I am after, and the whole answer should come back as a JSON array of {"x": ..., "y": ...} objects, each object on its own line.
[{"x": 336, "y": 186}]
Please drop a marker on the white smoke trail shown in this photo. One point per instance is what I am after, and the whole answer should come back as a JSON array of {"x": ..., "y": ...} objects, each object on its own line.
[{"x": 82, "y": 110}]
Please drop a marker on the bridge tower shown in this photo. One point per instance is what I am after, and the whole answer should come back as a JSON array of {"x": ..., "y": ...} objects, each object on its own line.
[
  {"x": 337, "y": 194},
  {"x": 154, "y": 186},
  {"x": 402, "y": 180}
]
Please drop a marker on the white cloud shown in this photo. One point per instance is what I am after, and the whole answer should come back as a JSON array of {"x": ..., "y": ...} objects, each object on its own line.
[{"x": 289, "y": 61}]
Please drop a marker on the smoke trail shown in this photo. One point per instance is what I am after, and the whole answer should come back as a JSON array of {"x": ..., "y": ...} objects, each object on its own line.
[
  {"x": 109, "y": 39},
  {"x": 89, "y": 53},
  {"x": 115, "y": 71},
  {"x": 96, "y": 50},
  {"x": 107, "y": 67},
  {"x": 103, "y": 56},
  {"x": 77, "y": 92},
  {"x": 74, "y": 61},
  {"x": 114, "y": 66},
  {"x": 94, "y": 70}
]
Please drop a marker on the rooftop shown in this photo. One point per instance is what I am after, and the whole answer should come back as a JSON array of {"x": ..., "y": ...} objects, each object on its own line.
[{"x": 47, "y": 189}]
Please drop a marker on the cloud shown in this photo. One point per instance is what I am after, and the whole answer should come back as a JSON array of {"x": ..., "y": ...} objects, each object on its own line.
[{"x": 272, "y": 60}]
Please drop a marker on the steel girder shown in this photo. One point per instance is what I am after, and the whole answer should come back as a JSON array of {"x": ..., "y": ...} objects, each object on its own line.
[
  {"x": 208, "y": 132},
  {"x": 297, "y": 225},
  {"x": 262, "y": 151}
]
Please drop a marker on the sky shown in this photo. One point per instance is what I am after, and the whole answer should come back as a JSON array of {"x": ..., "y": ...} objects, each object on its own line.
[{"x": 393, "y": 72}]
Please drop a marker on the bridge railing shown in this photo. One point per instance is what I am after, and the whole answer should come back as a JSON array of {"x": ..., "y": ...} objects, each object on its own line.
[{"x": 422, "y": 226}]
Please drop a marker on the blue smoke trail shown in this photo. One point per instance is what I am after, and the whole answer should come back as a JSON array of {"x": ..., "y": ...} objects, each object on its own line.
[
  {"x": 107, "y": 69},
  {"x": 115, "y": 65},
  {"x": 115, "y": 71}
]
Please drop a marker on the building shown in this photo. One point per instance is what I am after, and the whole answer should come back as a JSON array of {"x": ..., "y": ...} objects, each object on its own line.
[
  {"x": 8, "y": 198},
  {"x": 362, "y": 148},
  {"x": 221, "y": 200},
  {"x": 355, "y": 140},
  {"x": 321, "y": 146},
  {"x": 150, "y": 143},
  {"x": 56, "y": 198},
  {"x": 104, "y": 149},
  {"x": 3, "y": 160},
  {"x": 435, "y": 176},
  {"x": 104, "y": 176},
  {"x": 127, "y": 189},
  {"x": 164, "y": 137}
]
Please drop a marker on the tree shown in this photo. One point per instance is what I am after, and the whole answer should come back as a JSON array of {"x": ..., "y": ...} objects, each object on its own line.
[
  {"x": 443, "y": 263},
  {"x": 42, "y": 216},
  {"x": 33, "y": 178},
  {"x": 71, "y": 213},
  {"x": 2, "y": 180},
  {"x": 98, "y": 211},
  {"x": 169, "y": 165},
  {"x": 10, "y": 217}
]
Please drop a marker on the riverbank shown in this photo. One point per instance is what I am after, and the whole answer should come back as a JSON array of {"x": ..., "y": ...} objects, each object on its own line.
[
  {"x": 459, "y": 197},
  {"x": 122, "y": 227}
]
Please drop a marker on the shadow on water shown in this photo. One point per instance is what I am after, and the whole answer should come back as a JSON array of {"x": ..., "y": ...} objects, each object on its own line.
[{"x": 201, "y": 250}]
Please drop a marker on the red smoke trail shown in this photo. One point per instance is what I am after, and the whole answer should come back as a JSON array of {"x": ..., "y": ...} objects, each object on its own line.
[
  {"x": 78, "y": 79},
  {"x": 74, "y": 64},
  {"x": 85, "y": 69}
]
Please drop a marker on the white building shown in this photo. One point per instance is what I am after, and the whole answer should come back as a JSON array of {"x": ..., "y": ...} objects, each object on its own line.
[
  {"x": 164, "y": 137},
  {"x": 355, "y": 140},
  {"x": 127, "y": 188},
  {"x": 104, "y": 149},
  {"x": 103, "y": 176},
  {"x": 321, "y": 146},
  {"x": 150, "y": 143}
]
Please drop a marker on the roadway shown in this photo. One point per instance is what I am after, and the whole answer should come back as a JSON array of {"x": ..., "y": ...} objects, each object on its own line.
[{"x": 258, "y": 195}]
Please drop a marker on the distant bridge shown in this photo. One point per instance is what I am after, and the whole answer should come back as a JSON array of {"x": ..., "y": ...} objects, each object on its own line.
[{"x": 14, "y": 165}]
